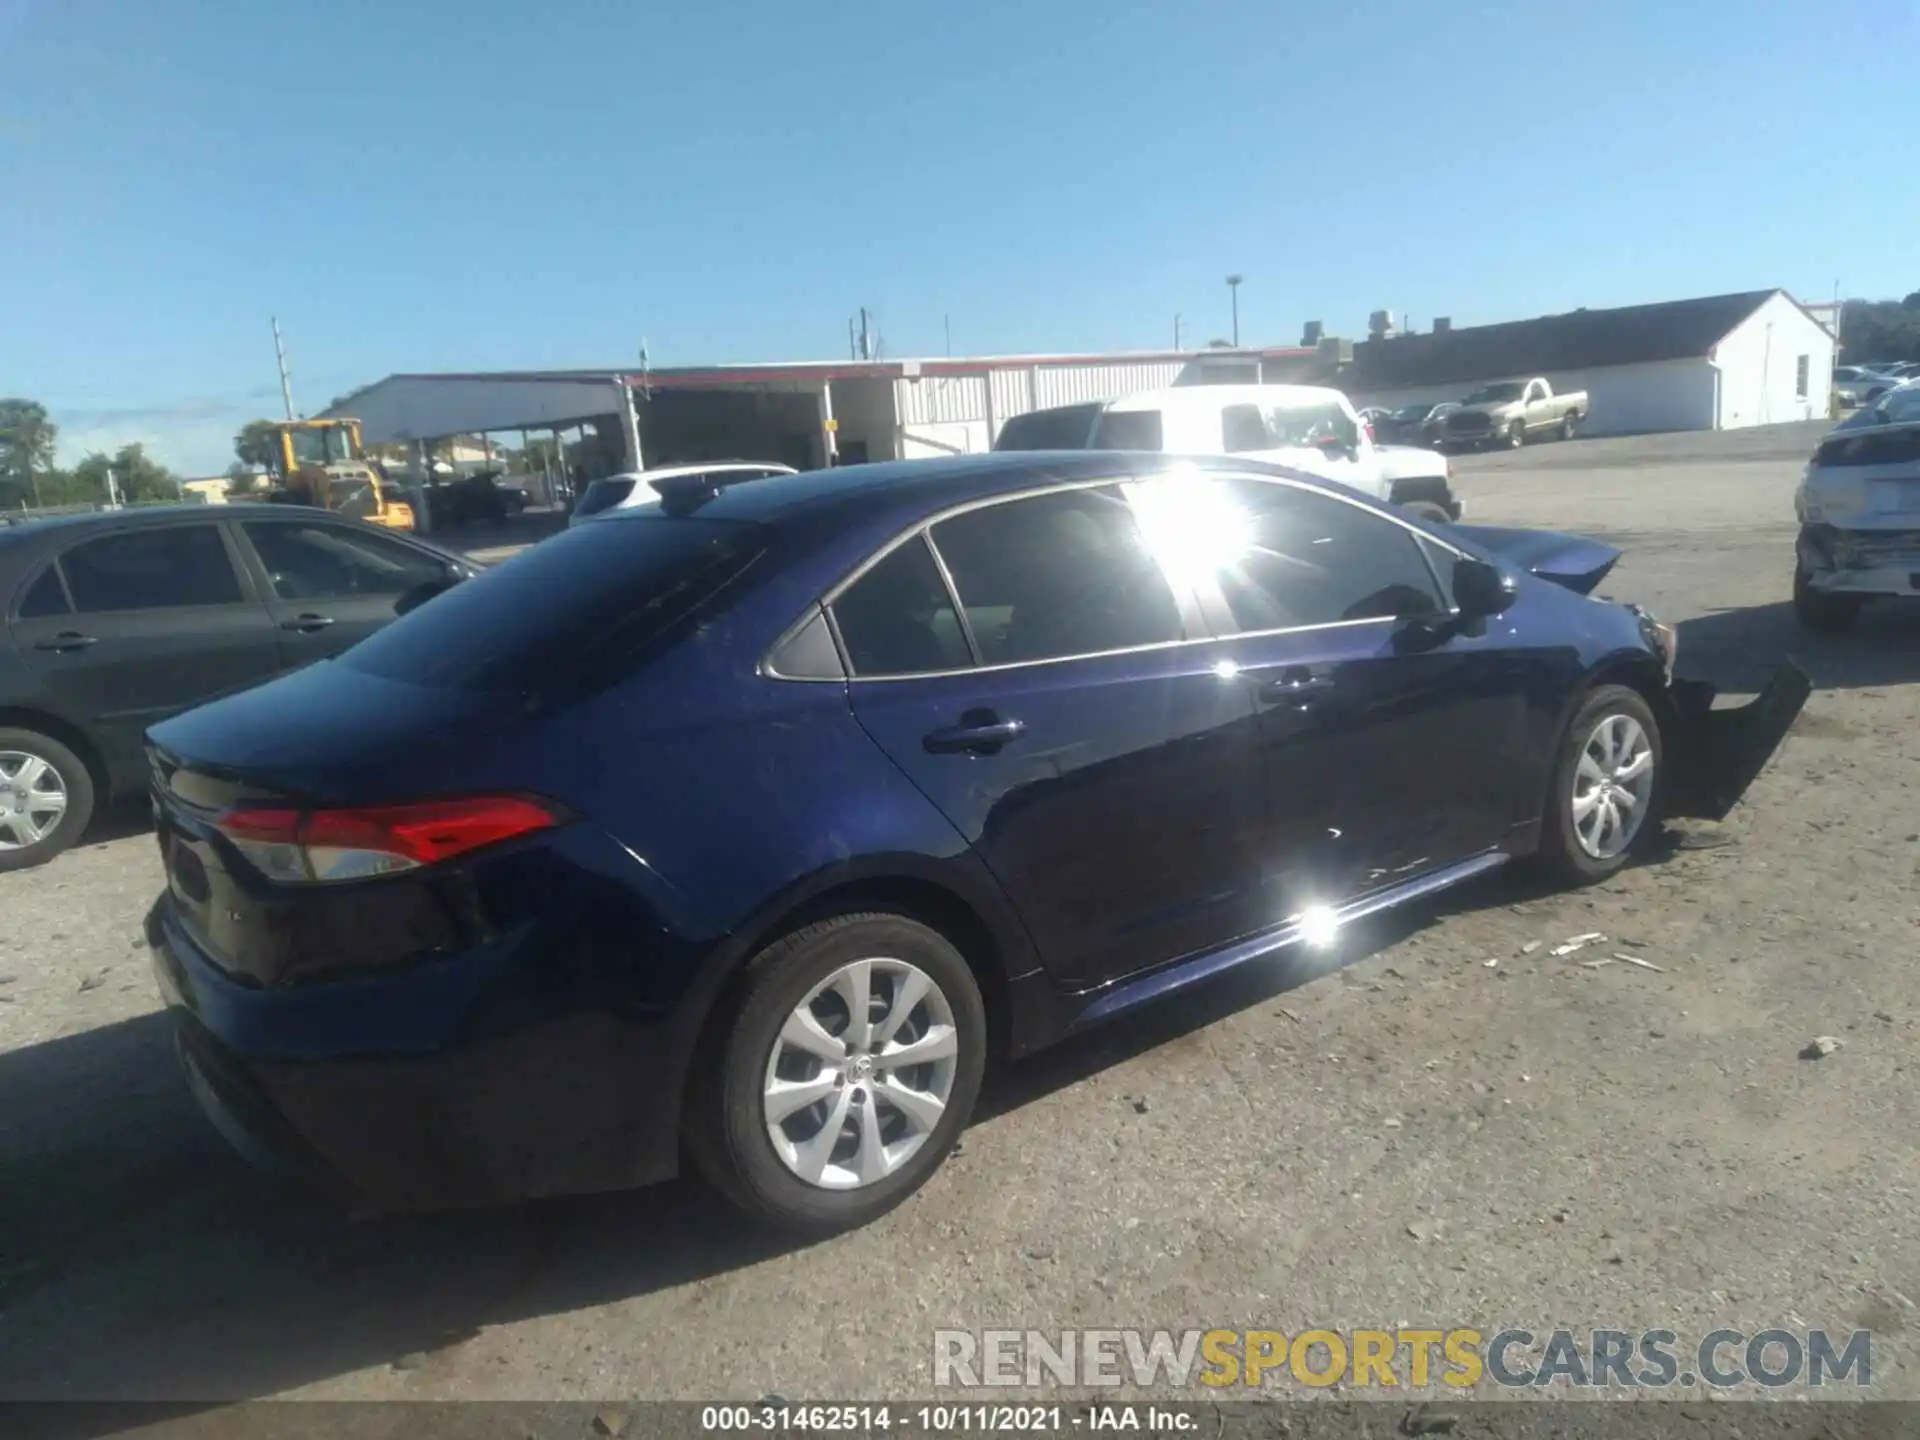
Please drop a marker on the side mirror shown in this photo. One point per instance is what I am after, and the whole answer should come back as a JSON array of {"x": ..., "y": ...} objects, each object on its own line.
[{"x": 1481, "y": 589}]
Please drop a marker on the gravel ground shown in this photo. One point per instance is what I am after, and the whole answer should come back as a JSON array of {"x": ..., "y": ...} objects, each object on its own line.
[{"x": 1454, "y": 1129}]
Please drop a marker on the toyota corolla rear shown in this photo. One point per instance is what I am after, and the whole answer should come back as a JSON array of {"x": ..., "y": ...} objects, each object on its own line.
[
  {"x": 408, "y": 947},
  {"x": 1859, "y": 512}
]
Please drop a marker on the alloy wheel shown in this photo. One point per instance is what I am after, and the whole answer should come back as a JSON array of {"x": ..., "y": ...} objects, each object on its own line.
[
  {"x": 860, "y": 1074},
  {"x": 1612, "y": 786},
  {"x": 33, "y": 799}
]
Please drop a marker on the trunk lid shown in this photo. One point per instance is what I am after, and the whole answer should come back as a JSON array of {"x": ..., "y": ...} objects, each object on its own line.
[{"x": 328, "y": 734}]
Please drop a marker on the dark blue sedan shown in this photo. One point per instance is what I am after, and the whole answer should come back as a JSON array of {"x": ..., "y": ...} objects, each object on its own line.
[{"x": 746, "y": 827}]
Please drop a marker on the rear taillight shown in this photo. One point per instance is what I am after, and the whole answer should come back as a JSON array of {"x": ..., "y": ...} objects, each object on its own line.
[{"x": 319, "y": 846}]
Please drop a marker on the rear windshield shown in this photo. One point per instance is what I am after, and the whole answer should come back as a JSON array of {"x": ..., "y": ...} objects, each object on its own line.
[
  {"x": 1894, "y": 446},
  {"x": 1128, "y": 430},
  {"x": 589, "y": 598},
  {"x": 603, "y": 495},
  {"x": 1065, "y": 428}
]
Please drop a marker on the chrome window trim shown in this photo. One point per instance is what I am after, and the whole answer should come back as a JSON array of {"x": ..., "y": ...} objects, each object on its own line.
[{"x": 923, "y": 529}]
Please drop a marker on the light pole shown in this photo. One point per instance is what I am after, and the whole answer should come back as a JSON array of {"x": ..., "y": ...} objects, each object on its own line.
[{"x": 1233, "y": 289}]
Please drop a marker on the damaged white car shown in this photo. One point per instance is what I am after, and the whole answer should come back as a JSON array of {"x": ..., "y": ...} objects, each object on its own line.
[{"x": 1859, "y": 511}]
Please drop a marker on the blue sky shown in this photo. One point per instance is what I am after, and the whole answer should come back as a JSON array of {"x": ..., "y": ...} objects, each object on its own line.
[{"x": 467, "y": 184}]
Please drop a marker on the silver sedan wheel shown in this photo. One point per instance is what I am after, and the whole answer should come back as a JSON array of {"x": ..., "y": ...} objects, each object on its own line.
[
  {"x": 860, "y": 1074},
  {"x": 33, "y": 799},
  {"x": 1612, "y": 786}
]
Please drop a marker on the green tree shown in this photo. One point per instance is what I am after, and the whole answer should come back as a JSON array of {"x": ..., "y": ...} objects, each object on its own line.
[
  {"x": 136, "y": 475},
  {"x": 1882, "y": 330},
  {"x": 27, "y": 438},
  {"x": 258, "y": 444}
]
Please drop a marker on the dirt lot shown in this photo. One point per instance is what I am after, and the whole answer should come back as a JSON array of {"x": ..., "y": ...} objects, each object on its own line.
[{"x": 1450, "y": 1130}]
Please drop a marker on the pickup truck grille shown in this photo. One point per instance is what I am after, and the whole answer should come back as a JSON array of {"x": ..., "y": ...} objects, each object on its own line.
[{"x": 1469, "y": 422}]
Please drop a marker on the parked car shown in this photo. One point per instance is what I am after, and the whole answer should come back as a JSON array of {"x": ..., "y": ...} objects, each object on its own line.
[
  {"x": 621, "y": 492},
  {"x": 1306, "y": 426},
  {"x": 121, "y": 618},
  {"x": 472, "y": 499},
  {"x": 1858, "y": 385},
  {"x": 1509, "y": 412},
  {"x": 744, "y": 826},
  {"x": 1419, "y": 424},
  {"x": 1859, "y": 510},
  {"x": 1900, "y": 403}
]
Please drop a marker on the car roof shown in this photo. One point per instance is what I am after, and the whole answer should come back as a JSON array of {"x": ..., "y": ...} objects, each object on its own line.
[
  {"x": 1213, "y": 397},
  {"x": 903, "y": 492},
  {"x": 706, "y": 467}
]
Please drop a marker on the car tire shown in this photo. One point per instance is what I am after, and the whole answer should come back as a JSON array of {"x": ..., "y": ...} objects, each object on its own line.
[
  {"x": 48, "y": 768},
  {"x": 1568, "y": 422},
  {"x": 730, "y": 1131},
  {"x": 1820, "y": 613},
  {"x": 1516, "y": 434},
  {"x": 1567, "y": 847},
  {"x": 1428, "y": 510}
]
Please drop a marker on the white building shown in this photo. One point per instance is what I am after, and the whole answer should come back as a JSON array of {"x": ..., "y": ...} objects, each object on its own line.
[{"x": 1718, "y": 363}]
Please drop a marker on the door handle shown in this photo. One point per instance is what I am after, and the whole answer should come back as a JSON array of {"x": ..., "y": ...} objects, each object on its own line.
[
  {"x": 307, "y": 622},
  {"x": 984, "y": 737},
  {"x": 1295, "y": 682},
  {"x": 67, "y": 640}
]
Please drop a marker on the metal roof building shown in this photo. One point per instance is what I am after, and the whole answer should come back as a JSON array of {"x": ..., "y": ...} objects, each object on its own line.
[{"x": 804, "y": 414}]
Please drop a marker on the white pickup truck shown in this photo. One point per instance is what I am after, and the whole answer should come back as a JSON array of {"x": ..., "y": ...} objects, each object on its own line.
[
  {"x": 1305, "y": 426},
  {"x": 1511, "y": 412}
]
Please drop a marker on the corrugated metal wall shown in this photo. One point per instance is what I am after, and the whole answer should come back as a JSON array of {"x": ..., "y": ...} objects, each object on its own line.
[
  {"x": 951, "y": 399},
  {"x": 940, "y": 399}
]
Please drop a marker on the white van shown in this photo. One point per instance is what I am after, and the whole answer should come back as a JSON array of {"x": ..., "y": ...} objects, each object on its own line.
[{"x": 1307, "y": 427}]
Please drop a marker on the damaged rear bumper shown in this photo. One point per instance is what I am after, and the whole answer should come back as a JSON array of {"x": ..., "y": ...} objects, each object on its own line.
[
  {"x": 1859, "y": 562},
  {"x": 1712, "y": 756}
]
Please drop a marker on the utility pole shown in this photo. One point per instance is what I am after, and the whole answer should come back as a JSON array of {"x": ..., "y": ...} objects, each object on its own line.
[
  {"x": 1176, "y": 330},
  {"x": 280, "y": 354},
  {"x": 113, "y": 491},
  {"x": 1233, "y": 289},
  {"x": 946, "y": 323}
]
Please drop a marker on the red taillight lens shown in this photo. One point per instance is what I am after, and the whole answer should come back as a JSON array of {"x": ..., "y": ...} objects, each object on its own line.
[{"x": 329, "y": 845}]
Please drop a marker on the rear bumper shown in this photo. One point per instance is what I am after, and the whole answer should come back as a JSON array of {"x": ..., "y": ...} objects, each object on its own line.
[
  {"x": 1714, "y": 755},
  {"x": 429, "y": 1116},
  {"x": 1858, "y": 562}
]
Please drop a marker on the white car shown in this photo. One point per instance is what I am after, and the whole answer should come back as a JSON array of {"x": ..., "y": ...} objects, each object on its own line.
[
  {"x": 1859, "y": 511},
  {"x": 1307, "y": 427},
  {"x": 636, "y": 487}
]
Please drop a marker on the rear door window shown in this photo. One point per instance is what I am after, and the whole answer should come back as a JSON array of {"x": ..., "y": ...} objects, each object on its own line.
[
  {"x": 1129, "y": 430},
  {"x": 151, "y": 570},
  {"x": 1063, "y": 428},
  {"x": 588, "y": 602},
  {"x": 898, "y": 618},
  {"x": 45, "y": 596},
  {"x": 312, "y": 560},
  {"x": 1057, "y": 575}
]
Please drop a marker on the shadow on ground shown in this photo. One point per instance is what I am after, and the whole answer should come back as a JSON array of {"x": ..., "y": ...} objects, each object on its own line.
[
  {"x": 1736, "y": 648},
  {"x": 139, "y": 1260}
]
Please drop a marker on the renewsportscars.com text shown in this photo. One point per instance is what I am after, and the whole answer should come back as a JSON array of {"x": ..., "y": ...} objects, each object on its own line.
[{"x": 1401, "y": 1358}]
